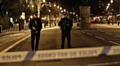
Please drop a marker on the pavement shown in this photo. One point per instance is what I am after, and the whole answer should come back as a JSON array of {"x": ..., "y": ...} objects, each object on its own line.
[{"x": 79, "y": 40}]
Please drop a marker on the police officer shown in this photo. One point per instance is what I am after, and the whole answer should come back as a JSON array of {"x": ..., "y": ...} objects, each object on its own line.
[
  {"x": 66, "y": 25},
  {"x": 35, "y": 26}
]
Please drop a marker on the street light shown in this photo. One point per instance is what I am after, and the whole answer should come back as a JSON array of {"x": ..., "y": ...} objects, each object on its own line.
[
  {"x": 44, "y": 1},
  {"x": 108, "y": 4},
  {"x": 111, "y": 1},
  {"x": 57, "y": 6},
  {"x": 54, "y": 5},
  {"x": 64, "y": 10},
  {"x": 60, "y": 8}
]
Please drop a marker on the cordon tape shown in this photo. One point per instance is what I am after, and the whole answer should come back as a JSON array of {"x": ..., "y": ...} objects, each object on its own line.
[{"x": 58, "y": 54}]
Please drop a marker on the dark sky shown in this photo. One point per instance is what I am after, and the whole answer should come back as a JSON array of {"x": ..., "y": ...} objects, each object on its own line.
[
  {"x": 74, "y": 4},
  {"x": 68, "y": 4}
]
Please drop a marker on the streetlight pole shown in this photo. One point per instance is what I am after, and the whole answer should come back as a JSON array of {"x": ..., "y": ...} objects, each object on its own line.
[
  {"x": 49, "y": 18},
  {"x": 112, "y": 11},
  {"x": 118, "y": 12},
  {"x": 39, "y": 6}
]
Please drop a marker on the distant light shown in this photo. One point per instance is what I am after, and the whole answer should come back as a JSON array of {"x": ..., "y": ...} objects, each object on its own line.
[
  {"x": 108, "y": 4},
  {"x": 73, "y": 12},
  {"x": 64, "y": 10},
  {"x": 32, "y": 6},
  {"x": 57, "y": 18},
  {"x": 118, "y": 15},
  {"x": 54, "y": 5},
  {"x": 49, "y": 10},
  {"x": 92, "y": 14},
  {"x": 7, "y": 13},
  {"x": 28, "y": 6},
  {"x": 57, "y": 6},
  {"x": 111, "y": 1},
  {"x": 50, "y": 4},
  {"x": 70, "y": 12},
  {"x": 44, "y": 1},
  {"x": 11, "y": 20},
  {"x": 31, "y": 16},
  {"x": 60, "y": 8},
  {"x": 43, "y": 18}
]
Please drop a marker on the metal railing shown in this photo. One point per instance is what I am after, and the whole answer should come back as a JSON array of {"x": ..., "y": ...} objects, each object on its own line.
[{"x": 15, "y": 27}]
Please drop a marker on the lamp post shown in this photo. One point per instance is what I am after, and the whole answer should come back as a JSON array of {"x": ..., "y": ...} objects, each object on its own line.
[
  {"x": 39, "y": 2},
  {"x": 118, "y": 12},
  {"x": 55, "y": 14},
  {"x": 111, "y": 1},
  {"x": 49, "y": 17}
]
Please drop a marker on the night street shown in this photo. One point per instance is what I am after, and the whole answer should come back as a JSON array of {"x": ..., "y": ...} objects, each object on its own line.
[
  {"x": 50, "y": 40},
  {"x": 59, "y": 32}
]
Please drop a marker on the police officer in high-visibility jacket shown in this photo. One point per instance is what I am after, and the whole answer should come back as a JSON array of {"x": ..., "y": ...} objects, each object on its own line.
[
  {"x": 35, "y": 26},
  {"x": 66, "y": 25}
]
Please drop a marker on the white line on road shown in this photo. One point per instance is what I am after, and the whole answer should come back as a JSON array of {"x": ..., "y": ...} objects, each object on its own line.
[
  {"x": 5, "y": 50},
  {"x": 100, "y": 37},
  {"x": 117, "y": 35},
  {"x": 114, "y": 42},
  {"x": 100, "y": 30},
  {"x": 109, "y": 33},
  {"x": 83, "y": 31},
  {"x": 15, "y": 44},
  {"x": 89, "y": 34}
]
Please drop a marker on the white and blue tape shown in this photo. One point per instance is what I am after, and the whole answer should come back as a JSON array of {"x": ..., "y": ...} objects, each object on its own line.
[{"x": 58, "y": 54}]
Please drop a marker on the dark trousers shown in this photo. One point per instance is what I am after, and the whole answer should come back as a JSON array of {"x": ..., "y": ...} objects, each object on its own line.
[
  {"x": 35, "y": 36},
  {"x": 66, "y": 34}
]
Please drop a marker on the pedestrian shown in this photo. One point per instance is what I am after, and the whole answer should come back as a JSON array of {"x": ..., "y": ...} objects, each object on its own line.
[
  {"x": 66, "y": 25},
  {"x": 20, "y": 23},
  {"x": 35, "y": 26}
]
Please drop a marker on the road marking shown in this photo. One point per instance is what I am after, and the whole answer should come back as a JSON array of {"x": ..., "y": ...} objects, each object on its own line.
[
  {"x": 101, "y": 31},
  {"x": 83, "y": 31},
  {"x": 114, "y": 42},
  {"x": 17, "y": 34},
  {"x": 15, "y": 44},
  {"x": 100, "y": 37},
  {"x": 108, "y": 33},
  {"x": 5, "y": 50},
  {"x": 117, "y": 35},
  {"x": 89, "y": 34}
]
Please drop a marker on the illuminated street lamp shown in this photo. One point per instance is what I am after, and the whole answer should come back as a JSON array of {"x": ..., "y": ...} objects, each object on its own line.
[
  {"x": 73, "y": 13},
  {"x": 58, "y": 7},
  {"x": 111, "y": 1},
  {"x": 64, "y": 10},
  {"x": 108, "y": 4},
  {"x": 54, "y": 5},
  {"x": 44, "y": 1},
  {"x": 70, "y": 12}
]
